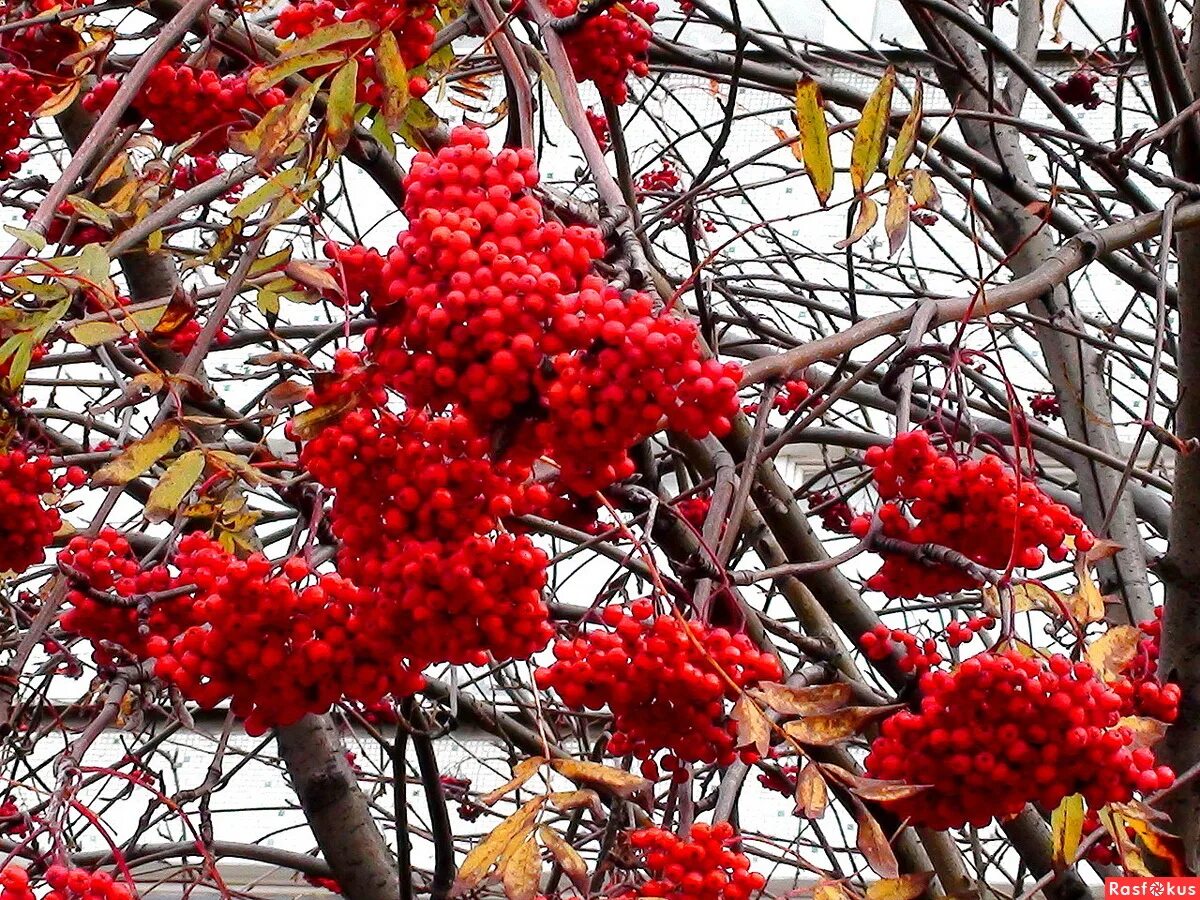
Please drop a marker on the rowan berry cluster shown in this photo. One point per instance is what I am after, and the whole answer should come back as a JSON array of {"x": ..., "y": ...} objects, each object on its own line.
[
  {"x": 663, "y": 179},
  {"x": 835, "y": 513},
  {"x": 358, "y": 270},
  {"x": 100, "y": 568},
  {"x": 1002, "y": 730},
  {"x": 27, "y": 523},
  {"x": 667, "y": 683},
  {"x": 488, "y": 306},
  {"x": 1045, "y": 406},
  {"x": 198, "y": 170},
  {"x": 23, "y": 97},
  {"x": 181, "y": 102},
  {"x": 980, "y": 509},
  {"x": 787, "y": 401},
  {"x": 417, "y": 507},
  {"x": 1139, "y": 687},
  {"x": 275, "y": 649},
  {"x": 702, "y": 866},
  {"x": 959, "y": 632},
  {"x": 222, "y": 628},
  {"x": 1079, "y": 89},
  {"x": 40, "y": 50},
  {"x": 609, "y": 47},
  {"x": 598, "y": 122},
  {"x": 916, "y": 656},
  {"x": 64, "y": 884}
]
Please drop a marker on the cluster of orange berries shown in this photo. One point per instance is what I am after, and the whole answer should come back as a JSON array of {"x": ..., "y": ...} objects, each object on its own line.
[
  {"x": 1002, "y": 730},
  {"x": 667, "y": 683},
  {"x": 979, "y": 508},
  {"x": 701, "y": 866}
]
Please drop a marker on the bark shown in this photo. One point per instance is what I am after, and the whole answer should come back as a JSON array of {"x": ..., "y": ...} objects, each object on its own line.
[
  {"x": 337, "y": 810},
  {"x": 1180, "y": 570}
]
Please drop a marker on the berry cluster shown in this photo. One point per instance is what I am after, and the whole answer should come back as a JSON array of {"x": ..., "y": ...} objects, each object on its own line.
[
  {"x": 181, "y": 102},
  {"x": 488, "y": 306},
  {"x": 101, "y": 568},
  {"x": 959, "y": 633},
  {"x": 1079, "y": 90},
  {"x": 601, "y": 131},
  {"x": 787, "y": 401},
  {"x": 1002, "y": 730},
  {"x": 417, "y": 502},
  {"x": 222, "y": 628},
  {"x": 917, "y": 656},
  {"x": 978, "y": 508},
  {"x": 23, "y": 97},
  {"x": 836, "y": 515},
  {"x": 27, "y": 524},
  {"x": 702, "y": 866},
  {"x": 695, "y": 509},
  {"x": 1045, "y": 406},
  {"x": 1139, "y": 687},
  {"x": 666, "y": 682},
  {"x": 663, "y": 180},
  {"x": 198, "y": 170},
  {"x": 40, "y": 50},
  {"x": 65, "y": 884},
  {"x": 610, "y": 46},
  {"x": 358, "y": 271},
  {"x": 275, "y": 649}
]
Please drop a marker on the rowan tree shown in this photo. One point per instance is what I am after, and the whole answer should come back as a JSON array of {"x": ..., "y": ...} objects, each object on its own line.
[{"x": 372, "y": 370}]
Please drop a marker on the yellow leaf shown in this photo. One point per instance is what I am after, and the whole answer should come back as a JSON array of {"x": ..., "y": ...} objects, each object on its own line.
[
  {"x": 1066, "y": 829},
  {"x": 389, "y": 66},
  {"x": 803, "y": 701},
  {"x": 179, "y": 478},
  {"x": 330, "y": 34},
  {"x": 868, "y": 215},
  {"x": 138, "y": 456},
  {"x": 339, "y": 113},
  {"x": 1112, "y": 652},
  {"x": 907, "y": 139},
  {"x": 812, "y": 793},
  {"x": 875, "y": 789},
  {"x": 873, "y": 844},
  {"x": 522, "y": 873},
  {"x": 753, "y": 727},
  {"x": 871, "y": 135},
  {"x": 924, "y": 192},
  {"x": 263, "y": 78},
  {"x": 907, "y": 887},
  {"x": 814, "y": 138},
  {"x": 522, "y": 772},
  {"x": 831, "y": 890},
  {"x": 238, "y": 465},
  {"x": 568, "y": 858},
  {"x": 1146, "y": 731},
  {"x": 895, "y": 219},
  {"x": 620, "y": 782},
  {"x": 494, "y": 848},
  {"x": 1087, "y": 604},
  {"x": 308, "y": 424},
  {"x": 832, "y": 728},
  {"x": 34, "y": 239}
]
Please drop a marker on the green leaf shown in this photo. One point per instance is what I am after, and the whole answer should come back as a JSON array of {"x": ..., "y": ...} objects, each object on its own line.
[
  {"x": 277, "y": 185},
  {"x": 32, "y": 238}
]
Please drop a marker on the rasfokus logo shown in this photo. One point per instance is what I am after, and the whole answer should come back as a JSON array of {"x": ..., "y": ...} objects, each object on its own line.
[{"x": 1152, "y": 887}]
